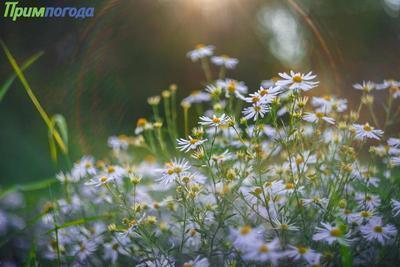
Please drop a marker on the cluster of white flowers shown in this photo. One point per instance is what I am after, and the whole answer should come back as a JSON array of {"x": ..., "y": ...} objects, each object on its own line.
[{"x": 266, "y": 177}]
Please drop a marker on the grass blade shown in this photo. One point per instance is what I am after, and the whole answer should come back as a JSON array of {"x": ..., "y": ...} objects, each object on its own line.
[
  {"x": 7, "y": 85},
  {"x": 28, "y": 187},
  {"x": 32, "y": 96}
]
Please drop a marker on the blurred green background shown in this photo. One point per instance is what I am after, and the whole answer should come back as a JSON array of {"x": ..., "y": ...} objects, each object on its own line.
[{"x": 99, "y": 72}]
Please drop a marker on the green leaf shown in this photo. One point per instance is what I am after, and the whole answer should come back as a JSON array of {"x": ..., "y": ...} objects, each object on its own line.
[
  {"x": 32, "y": 260},
  {"x": 6, "y": 86},
  {"x": 32, "y": 96},
  {"x": 61, "y": 124},
  {"x": 58, "y": 122},
  {"x": 345, "y": 253},
  {"x": 28, "y": 187},
  {"x": 52, "y": 144},
  {"x": 79, "y": 222}
]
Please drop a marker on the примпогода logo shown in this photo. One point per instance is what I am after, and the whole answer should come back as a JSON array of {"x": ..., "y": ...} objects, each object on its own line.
[{"x": 14, "y": 11}]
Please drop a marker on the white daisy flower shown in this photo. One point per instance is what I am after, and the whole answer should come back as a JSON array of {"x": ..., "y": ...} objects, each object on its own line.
[
  {"x": 200, "y": 51},
  {"x": 394, "y": 142},
  {"x": 100, "y": 180},
  {"x": 114, "y": 171},
  {"x": 213, "y": 90},
  {"x": 118, "y": 143},
  {"x": 361, "y": 217},
  {"x": 66, "y": 177},
  {"x": 269, "y": 83},
  {"x": 330, "y": 234},
  {"x": 369, "y": 201},
  {"x": 297, "y": 80},
  {"x": 376, "y": 230},
  {"x": 173, "y": 170},
  {"x": 160, "y": 261},
  {"x": 191, "y": 144},
  {"x": 395, "y": 161},
  {"x": 367, "y": 131},
  {"x": 317, "y": 117},
  {"x": 300, "y": 252},
  {"x": 214, "y": 121},
  {"x": 365, "y": 86},
  {"x": 255, "y": 111},
  {"x": 225, "y": 61},
  {"x": 197, "y": 262},
  {"x": 262, "y": 252},
  {"x": 315, "y": 201},
  {"x": 114, "y": 248},
  {"x": 84, "y": 167},
  {"x": 284, "y": 224},
  {"x": 84, "y": 249},
  {"x": 270, "y": 131},
  {"x": 387, "y": 84},
  {"x": 263, "y": 95},
  {"x": 197, "y": 96},
  {"x": 394, "y": 151},
  {"x": 142, "y": 125},
  {"x": 245, "y": 236},
  {"x": 328, "y": 104},
  {"x": 232, "y": 88},
  {"x": 395, "y": 91},
  {"x": 396, "y": 207},
  {"x": 221, "y": 158}
]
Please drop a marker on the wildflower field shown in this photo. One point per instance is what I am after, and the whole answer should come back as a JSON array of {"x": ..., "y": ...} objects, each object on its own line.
[
  {"x": 200, "y": 133},
  {"x": 228, "y": 176}
]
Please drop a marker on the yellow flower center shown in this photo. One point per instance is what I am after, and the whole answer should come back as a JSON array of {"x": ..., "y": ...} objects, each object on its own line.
[
  {"x": 336, "y": 232},
  {"x": 319, "y": 115},
  {"x": 284, "y": 226},
  {"x": 255, "y": 99},
  {"x": 289, "y": 186},
  {"x": 258, "y": 191},
  {"x": 367, "y": 127},
  {"x": 394, "y": 89},
  {"x": 88, "y": 165},
  {"x": 193, "y": 232},
  {"x": 378, "y": 229},
  {"x": 216, "y": 120},
  {"x": 245, "y": 230},
  {"x": 198, "y": 46},
  {"x": 263, "y": 92},
  {"x": 257, "y": 108},
  {"x": 132, "y": 223},
  {"x": 186, "y": 179},
  {"x": 327, "y": 97},
  {"x": 297, "y": 79},
  {"x": 195, "y": 92},
  {"x": 187, "y": 265},
  {"x": 365, "y": 214},
  {"x": 111, "y": 169},
  {"x": 231, "y": 87},
  {"x": 302, "y": 250},
  {"x": 103, "y": 179},
  {"x": 193, "y": 141},
  {"x": 299, "y": 160},
  {"x": 177, "y": 170},
  {"x": 263, "y": 249},
  {"x": 141, "y": 122}
]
